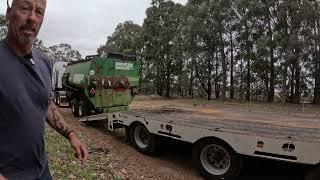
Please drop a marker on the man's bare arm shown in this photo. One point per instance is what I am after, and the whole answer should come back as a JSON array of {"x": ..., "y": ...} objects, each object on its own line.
[
  {"x": 2, "y": 177},
  {"x": 56, "y": 121}
]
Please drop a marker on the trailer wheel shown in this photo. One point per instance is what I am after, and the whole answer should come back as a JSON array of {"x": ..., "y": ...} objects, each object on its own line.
[
  {"x": 75, "y": 108},
  {"x": 216, "y": 160},
  {"x": 313, "y": 174},
  {"x": 142, "y": 139}
]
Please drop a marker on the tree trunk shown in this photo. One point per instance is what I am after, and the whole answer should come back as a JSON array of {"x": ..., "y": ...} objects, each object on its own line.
[
  {"x": 168, "y": 73},
  {"x": 241, "y": 80},
  {"x": 160, "y": 90},
  {"x": 296, "y": 64},
  {"x": 191, "y": 81},
  {"x": 209, "y": 90},
  {"x": 217, "y": 79},
  {"x": 248, "y": 78},
  {"x": 209, "y": 84},
  {"x": 284, "y": 83},
  {"x": 316, "y": 99},
  {"x": 231, "y": 67},
  {"x": 266, "y": 93},
  {"x": 292, "y": 84},
  {"x": 272, "y": 61},
  {"x": 168, "y": 88},
  {"x": 297, "y": 92},
  {"x": 248, "y": 56},
  {"x": 224, "y": 68}
]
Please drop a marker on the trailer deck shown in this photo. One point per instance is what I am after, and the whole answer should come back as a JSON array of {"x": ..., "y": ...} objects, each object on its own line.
[
  {"x": 220, "y": 132},
  {"x": 298, "y": 126}
]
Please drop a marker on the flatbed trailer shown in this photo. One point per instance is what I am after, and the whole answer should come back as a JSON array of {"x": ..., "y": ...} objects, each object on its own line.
[{"x": 221, "y": 135}]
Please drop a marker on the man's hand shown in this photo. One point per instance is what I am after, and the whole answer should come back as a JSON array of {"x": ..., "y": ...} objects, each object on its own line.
[
  {"x": 56, "y": 121},
  {"x": 2, "y": 177},
  {"x": 78, "y": 146}
]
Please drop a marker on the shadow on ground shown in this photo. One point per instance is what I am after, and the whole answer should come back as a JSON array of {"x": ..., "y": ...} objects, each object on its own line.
[
  {"x": 253, "y": 169},
  {"x": 179, "y": 154}
]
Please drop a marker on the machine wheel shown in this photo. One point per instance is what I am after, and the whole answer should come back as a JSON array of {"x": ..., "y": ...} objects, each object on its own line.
[
  {"x": 82, "y": 110},
  {"x": 216, "y": 160},
  {"x": 75, "y": 108},
  {"x": 142, "y": 139}
]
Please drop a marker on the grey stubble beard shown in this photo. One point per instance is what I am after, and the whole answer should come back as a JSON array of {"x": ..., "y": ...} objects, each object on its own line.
[{"x": 24, "y": 40}]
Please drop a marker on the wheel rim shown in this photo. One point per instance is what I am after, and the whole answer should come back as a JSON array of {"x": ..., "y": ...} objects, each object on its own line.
[
  {"x": 215, "y": 159},
  {"x": 73, "y": 108},
  {"x": 80, "y": 111},
  {"x": 141, "y": 136}
]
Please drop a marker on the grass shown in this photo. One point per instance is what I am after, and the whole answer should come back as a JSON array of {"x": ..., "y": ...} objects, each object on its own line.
[{"x": 63, "y": 164}]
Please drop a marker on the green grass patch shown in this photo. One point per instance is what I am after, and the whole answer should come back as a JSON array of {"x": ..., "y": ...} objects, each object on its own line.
[{"x": 63, "y": 164}]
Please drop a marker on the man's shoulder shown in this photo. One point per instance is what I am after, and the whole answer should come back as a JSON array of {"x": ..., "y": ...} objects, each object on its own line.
[
  {"x": 42, "y": 56},
  {"x": 3, "y": 47},
  {"x": 40, "y": 53}
]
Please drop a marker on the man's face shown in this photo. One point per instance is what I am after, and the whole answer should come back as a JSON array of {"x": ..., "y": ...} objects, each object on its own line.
[{"x": 25, "y": 19}]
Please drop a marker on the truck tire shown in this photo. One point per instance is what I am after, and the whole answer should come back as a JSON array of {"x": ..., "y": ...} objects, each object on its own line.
[
  {"x": 58, "y": 101},
  {"x": 82, "y": 110},
  {"x": 142, "y": 139},
  {"x": 74, "y": 108},
  {"x": 55, "y": 99},
  {"x": 216, "y": 160}
]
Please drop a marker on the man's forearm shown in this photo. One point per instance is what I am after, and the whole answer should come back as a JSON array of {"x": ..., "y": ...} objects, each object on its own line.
[
  {"x": 56, "y": 121},
  {"x": 2, "y": 177}
]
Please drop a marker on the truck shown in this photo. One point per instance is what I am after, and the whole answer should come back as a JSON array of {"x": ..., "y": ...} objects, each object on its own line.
[
  {"x": 59, "y": 94},
  {"x": 220, "y": 136},
  {"x": 101, "y": 84}
]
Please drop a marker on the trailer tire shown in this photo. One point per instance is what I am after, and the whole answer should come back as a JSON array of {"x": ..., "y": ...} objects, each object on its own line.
[
  {"x": 216, "y": 160},
  {"x": 313, "y": 174},
  {"x": 74, "y": 108},
  {"x": 142, "y": 139}
]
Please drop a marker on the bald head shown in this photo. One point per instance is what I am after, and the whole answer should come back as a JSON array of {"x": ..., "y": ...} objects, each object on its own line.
[
  {"x": 25, "y": 19},
  {"x": 14, "y": 2}
]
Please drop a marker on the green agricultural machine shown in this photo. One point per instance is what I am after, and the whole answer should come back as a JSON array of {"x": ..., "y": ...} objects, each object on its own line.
[{"x": 104, "y": 84}]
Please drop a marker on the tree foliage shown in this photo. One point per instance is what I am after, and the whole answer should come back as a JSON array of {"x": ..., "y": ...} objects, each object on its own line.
[
  {"x": 125, "y": 39},
  {"x": 239, "y": 49},
  {"x": 3, "y": 26}
]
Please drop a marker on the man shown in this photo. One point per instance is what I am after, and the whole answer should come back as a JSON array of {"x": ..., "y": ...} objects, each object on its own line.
[{"x": 25, "y": 104}]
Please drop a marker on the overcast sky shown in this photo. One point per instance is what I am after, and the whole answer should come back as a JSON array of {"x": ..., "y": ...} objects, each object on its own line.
[{"x": 85, "y": 24}]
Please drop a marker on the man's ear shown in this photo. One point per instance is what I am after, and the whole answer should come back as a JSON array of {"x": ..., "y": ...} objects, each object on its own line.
[
  {"x": 8, "y": 10},
  {"x": 8, "y": 13}
]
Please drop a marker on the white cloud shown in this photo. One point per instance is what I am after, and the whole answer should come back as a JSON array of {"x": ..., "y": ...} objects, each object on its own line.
[{"x": 85, "y": 24}]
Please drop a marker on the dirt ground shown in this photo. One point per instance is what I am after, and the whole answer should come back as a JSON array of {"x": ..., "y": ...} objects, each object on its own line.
[{"x": 174, "y": 159}]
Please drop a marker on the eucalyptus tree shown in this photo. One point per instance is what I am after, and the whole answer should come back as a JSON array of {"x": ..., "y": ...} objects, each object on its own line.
[
  {"x": 125, "y": 39},
  {"x": 3, "y": 26},
  {"x": 162, "y": 43}
]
